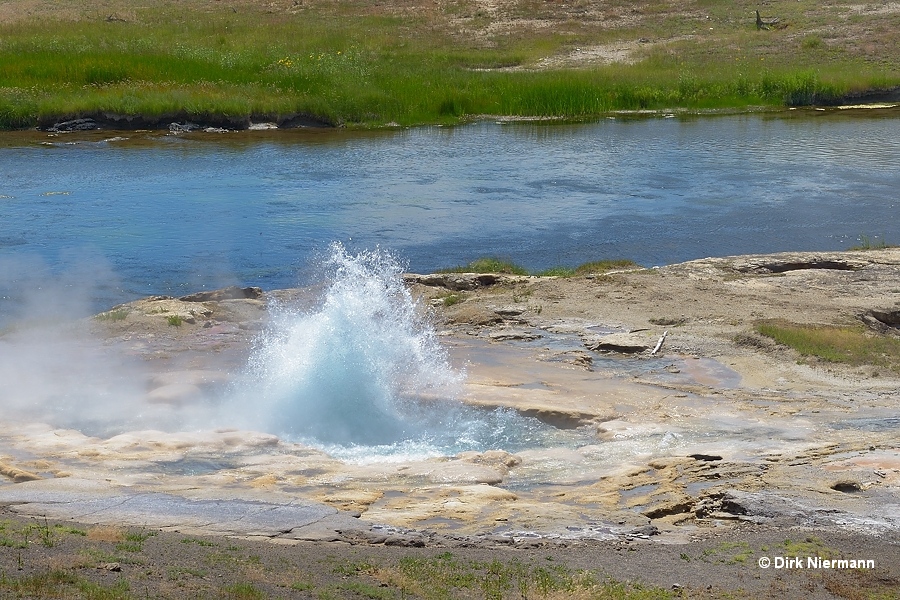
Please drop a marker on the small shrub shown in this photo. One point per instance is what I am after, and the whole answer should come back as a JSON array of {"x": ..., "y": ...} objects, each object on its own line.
[
  {"x": 243, "y": 591},
  {"x": 140, "y": 537},
  {"x": 129, "y": 547},
  {"x": 174, "y": 320},
  {"x": 812, "y": 42},
  {"x": 69, "y": 530},
  {"x": 134, "y": 541}
]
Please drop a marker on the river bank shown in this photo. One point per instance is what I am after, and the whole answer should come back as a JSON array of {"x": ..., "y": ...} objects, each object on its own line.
[
  {"x": 362, "y": 66},
  {"x": 721, "y": 438}
]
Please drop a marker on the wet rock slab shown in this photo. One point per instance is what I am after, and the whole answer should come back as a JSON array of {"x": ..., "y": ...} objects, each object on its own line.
[{"x": 90, "y": 502}]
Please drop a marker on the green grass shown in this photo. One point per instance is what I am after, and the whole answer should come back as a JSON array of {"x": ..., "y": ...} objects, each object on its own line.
[
  {"x": 42, "y": 533},
  {"x": 488, "y": 265},
  {"x": 366, "y": 590},
  {"x": 445, "y": 576},
  {"x": 63, "y": 584},
  {"x": 199, "y": 542},
  {"x": 240, "y": 575},
  {"x": 174, "y": 320},
  {"x": 346, "y": 64},
  {"x": 451, "y": 299},
  {"x": 113, "y": 315},
  {"x": 871, "y": 243},
  {"x": 243, "y": 591},
  {"x": 134, "y": 541},
  {"x": 497, "y": 265},
  {"x": 590, "y": 268},
  {"x": 729, "y": 553},
  {"x": 850, "y": 345},
  {"x": 811, "y": 546}
]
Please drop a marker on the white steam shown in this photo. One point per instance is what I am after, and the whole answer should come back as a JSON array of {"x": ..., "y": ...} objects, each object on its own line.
[{"x": 51, "y": 369}]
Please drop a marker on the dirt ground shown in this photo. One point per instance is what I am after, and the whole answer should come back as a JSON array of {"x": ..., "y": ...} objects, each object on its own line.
[{"x": 66, "y": 560}]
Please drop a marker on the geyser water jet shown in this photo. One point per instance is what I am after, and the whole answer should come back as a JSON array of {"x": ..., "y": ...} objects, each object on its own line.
[
  {"x": 364, "y": 377},
  {"x": 357, "y": 369}
]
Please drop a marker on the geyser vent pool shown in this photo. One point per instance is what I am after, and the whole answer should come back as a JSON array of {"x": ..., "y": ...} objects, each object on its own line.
[{"x": 364, "y": 376}]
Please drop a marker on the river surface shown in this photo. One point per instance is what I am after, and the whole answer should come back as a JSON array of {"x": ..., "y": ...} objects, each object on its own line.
[{"x": 122, "y": 215}]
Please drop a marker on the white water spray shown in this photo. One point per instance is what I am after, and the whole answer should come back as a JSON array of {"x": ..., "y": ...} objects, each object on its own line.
[
  {"x": 360, "y": 369},
  {"x": 364, "y": 377}
]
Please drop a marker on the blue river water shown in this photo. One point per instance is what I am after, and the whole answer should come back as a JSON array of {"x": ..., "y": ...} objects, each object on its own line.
[{"x": 128, "y": 214}]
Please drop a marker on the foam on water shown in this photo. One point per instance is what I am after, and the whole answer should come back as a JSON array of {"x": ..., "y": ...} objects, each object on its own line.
[{"x": 363, "y": 376}]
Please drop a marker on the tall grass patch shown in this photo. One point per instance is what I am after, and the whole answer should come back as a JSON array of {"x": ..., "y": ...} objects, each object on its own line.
[
  {"x": 488, "y": 265},
  {"x": 850, "y": 345},
  {"x": 597, "y": 267}
]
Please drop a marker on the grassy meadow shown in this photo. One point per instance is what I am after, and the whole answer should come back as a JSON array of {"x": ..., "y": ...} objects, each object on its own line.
[{"x": 365, "y": 64}]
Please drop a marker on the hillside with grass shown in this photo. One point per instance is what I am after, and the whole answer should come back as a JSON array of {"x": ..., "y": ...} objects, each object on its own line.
[{"x": 364, "y": 64}]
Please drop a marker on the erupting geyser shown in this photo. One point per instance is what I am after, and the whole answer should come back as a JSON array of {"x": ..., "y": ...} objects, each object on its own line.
[{"x": 362, "y": 368}]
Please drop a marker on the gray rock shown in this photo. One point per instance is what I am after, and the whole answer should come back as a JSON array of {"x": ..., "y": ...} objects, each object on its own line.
[
  {"x": 405, "y": 541},
  {"x": 455, "y": 281},
  {"x": 628, "y": 343},
  {"x": 503, "y": 335},
  {"x": 74, "y": 125},
  {"x": 183, "y": 127},
  {"x": 85, "y": 502},
  {"x": 646, "y": 530},
  {"x": 796, "y": 261},
  {"x": 230, "y": 293},
  {"x": 509, "y": 311}
]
